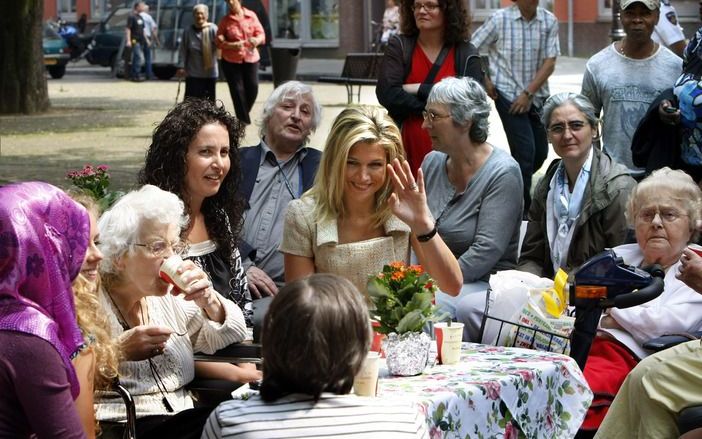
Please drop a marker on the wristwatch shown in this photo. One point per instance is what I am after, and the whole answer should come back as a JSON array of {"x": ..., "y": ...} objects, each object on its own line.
[
  {"x": 428, "y": 236},
  {"x": 529, "y": 94}
]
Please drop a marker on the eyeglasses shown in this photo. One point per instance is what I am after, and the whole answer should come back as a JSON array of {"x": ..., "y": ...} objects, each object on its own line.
[
  {"x": 159, "y": 247},
  {"x": 431, "y": 116},
  {"x": 429, "y": 7},
  {"x": 667, "y": 215},
  {"x": 560, "y": 128}
]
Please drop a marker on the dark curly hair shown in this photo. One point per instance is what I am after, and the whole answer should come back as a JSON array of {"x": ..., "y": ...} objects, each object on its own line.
[
  {"x": 456, "y": 20},
  {"x": 165, "y": 166}
]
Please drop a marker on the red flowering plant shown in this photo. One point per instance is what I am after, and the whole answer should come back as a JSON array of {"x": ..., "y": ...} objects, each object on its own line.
[
  {"x": 95, "y": 181},
  {"x": 403, "y": 298}
]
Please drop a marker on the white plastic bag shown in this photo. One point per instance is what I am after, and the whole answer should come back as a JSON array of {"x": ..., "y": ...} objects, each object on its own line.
[{"x": 509, "y": 293}]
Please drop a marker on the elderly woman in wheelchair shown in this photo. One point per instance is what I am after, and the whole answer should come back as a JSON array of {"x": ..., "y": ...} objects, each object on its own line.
[
  {"x": 661, "y": 397},
  {"x": 158, "y": 327},
  {"x": 664, "y": 209}
]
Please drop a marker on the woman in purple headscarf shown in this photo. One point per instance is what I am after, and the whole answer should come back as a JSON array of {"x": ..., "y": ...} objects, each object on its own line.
[{"x": 43, "y": 238}]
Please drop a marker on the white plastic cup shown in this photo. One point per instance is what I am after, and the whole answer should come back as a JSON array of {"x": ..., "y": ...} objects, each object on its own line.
[
  {"x": 448, "y": 341},
  {"x": 366, "y": 381},
  {"x": 169, "y": 272},
  {"x": 695, "y": 248}
]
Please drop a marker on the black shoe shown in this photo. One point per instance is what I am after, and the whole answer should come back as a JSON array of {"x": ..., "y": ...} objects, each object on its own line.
[{"x": 138, "y": 79}]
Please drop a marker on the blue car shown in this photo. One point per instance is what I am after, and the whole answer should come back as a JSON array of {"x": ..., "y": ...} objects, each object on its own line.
[{"x": 56, "y": 52}]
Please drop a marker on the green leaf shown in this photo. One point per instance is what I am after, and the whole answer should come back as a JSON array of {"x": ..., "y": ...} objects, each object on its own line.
[
  {"x": 411, "y": 322},
  {"x": 376, "y": 289},
  {"x": 438, "y": 413},
  {"x": 420, "y": 302}
]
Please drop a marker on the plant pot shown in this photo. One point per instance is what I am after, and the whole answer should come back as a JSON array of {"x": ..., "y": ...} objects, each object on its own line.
[{"x": 407, "y": 354}]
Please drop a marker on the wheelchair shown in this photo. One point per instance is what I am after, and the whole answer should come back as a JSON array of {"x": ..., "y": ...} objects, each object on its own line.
[
  {"x": 602, "y": 282},
  {"x": 207, "y": 392}
]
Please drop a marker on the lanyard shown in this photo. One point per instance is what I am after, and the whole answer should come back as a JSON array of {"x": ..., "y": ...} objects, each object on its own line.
[{"x": 288, "y": 185}]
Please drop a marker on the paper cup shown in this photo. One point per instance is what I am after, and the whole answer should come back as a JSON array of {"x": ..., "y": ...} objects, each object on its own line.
[
  {"x": 366, "y": 381},
  {"x": 695, "y": 248},
  {"x": 448, "y": 341},
  {"x": 377, "y": 341},
  {"x": 169, "y": 272}
]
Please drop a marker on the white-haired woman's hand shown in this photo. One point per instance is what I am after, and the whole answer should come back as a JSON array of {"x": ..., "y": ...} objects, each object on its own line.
[
  {"x": 200, "y": 290},
  {"x": 143, "y": 342},
  {"x": 409, "y": 201}
]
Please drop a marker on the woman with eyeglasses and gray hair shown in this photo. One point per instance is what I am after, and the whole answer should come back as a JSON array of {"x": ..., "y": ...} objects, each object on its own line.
[
  {"x": 578, "y": 207},
  {"x": 157, "y": 326},
  {"x": 664, "y": 210},
  {"x": 473, "y": 190}
]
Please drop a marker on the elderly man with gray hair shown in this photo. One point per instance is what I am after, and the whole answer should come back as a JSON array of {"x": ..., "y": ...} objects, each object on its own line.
[{"x": 274, "y": 172}]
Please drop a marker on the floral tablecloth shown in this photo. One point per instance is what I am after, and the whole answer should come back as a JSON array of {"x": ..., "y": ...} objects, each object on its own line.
[{"x": 494, "y": 389}]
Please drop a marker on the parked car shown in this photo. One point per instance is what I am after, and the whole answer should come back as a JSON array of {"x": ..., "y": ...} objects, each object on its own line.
[
  {"x": 56, "y": 52},
  {"x": 108, "y": 37}
]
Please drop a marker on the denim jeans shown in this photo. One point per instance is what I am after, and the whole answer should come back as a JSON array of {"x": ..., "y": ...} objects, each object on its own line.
[
  {"x": 147, "y": 61},
  {"x": 137, "y": 57},
  {"x": 527, "y": 140}
]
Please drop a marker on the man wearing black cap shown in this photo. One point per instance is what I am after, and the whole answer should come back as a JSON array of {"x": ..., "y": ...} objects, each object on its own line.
[{"x": 624, "y": 78}]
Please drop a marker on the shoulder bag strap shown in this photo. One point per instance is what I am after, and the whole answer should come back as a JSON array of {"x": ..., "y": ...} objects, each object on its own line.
[{"x": 437, "y": 65}]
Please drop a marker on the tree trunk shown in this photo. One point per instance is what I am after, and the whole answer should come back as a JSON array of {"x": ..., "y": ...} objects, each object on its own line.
[{"x": 22, "y": 78}]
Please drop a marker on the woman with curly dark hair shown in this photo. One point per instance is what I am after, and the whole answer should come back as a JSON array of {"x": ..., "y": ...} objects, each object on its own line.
[
  {"x": 194, "y": 154},
  {"x": 434, "y": 44}
]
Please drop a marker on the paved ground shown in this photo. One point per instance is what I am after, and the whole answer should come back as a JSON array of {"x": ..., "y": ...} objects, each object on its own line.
[{"x": 97, "y": 119}]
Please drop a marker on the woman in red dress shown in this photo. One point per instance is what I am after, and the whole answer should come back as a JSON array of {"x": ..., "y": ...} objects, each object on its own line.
[{"x": 434, "y": 44}]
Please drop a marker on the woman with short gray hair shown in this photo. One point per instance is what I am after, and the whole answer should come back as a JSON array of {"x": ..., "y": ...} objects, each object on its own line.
[
  {"x": 474, "y": 190},
  {"x": 578, "y": 207}
]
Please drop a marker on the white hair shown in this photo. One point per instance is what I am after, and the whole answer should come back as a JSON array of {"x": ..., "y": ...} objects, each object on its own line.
[
  {"x": 120, "y": 226},
  {"x": 203, "y": 7},
  {"x": 293, "y": 90}
]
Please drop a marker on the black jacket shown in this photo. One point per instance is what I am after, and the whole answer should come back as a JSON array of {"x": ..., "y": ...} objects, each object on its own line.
[
  {"x": 656, "y": 144},
  {"x": 397, "y": 64}
]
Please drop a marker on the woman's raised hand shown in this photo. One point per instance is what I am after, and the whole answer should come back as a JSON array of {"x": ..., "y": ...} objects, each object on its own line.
[{"x": 409, "y": 201}]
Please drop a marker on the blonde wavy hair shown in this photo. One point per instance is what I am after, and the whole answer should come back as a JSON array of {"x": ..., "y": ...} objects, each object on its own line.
[
  {"x": 92, "y": 318},
  {"x": 353, "y": 125}
]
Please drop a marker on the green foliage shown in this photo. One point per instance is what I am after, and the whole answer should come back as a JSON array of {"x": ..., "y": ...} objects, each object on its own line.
[
  {"x": 95, "y": 182},
  {"x": 402, "y": 296}
]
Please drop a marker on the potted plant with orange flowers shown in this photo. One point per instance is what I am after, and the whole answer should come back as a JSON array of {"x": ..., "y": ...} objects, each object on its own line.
[{"x": 403, "y": 299}]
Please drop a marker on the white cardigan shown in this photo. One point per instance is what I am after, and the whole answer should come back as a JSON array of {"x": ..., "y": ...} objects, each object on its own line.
[
  {"x": 175, "y": 366},
  {"x": 677, "y": 309}
]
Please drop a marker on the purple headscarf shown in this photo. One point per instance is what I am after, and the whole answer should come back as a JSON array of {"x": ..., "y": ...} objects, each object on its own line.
[{"x": 43, "y": 239}]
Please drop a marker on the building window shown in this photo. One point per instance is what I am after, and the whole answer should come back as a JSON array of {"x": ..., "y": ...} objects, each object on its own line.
[
  {"x": 483, "y": 8},
  {"x": 99, "y": 9},
  {"x": 66, "y": 9},
  {"x": 309, "y": 24}
]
